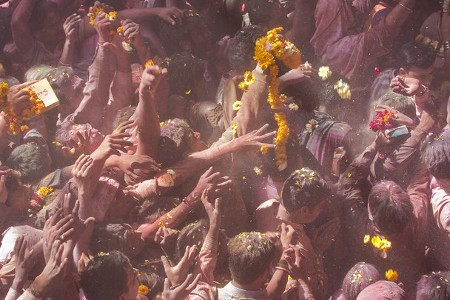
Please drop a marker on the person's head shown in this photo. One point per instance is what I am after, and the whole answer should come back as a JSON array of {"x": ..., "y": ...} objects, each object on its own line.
[
  {"x": 185, "y": 75},
  {"x": 436, "y": 157},
  {"x": 31, "y": 160},
  {"x": 266, "y": 13},
  {"x": 403, "y": 104},
  {"x": 242, "y": 48},
  {"x": 19, "y": 195},
  {"x": 110, "y": 277},
  {"x": 67, "y": 87},
  {"x": 303, "y": 197},
  {"x": 178, "y": 132},
  {"x": 37, "y": 72},
  {"x": 192, "y": 36},
  {"x": 382, "y": 290},
  {"x": 206, "y": 118},
  {"x": 250, "y": 258},
  {"x": 46, "y": 22},
  {"x": 416, "y": 60},
  {"x": 327, "y": 95},
  {"x": 358, "y": 278},
  {"x": 68, "y": 131},
  {"x": 390, "y": 208},
  {"x": 434, "y": 286}
]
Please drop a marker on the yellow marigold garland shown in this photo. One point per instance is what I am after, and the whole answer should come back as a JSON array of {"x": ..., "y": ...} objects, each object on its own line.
[
  {"x": 15, "y": 122},
  {"x": 391, "y": 275},
  {"x": 290, "y": 56},
  {"x": 94, "y": 11},
  {"x": 144, "y": 290}
]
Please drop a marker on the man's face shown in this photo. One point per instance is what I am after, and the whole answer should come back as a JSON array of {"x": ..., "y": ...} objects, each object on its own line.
[
  {"x": 303, "y": 215},
  {"x": 424, "y": 75},
  {"x": 201, "y": 40},
  {"x": 133, "y": 284},
  {"x": 74, "y": 91}
]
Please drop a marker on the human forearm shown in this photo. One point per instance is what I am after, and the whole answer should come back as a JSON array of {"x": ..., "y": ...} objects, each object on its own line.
[
  {"x": 400, "y": 13},
  {"x": 302, "y": 22},
  {"x": 277, "y": 284},
  {"x": 96, "y": 92},
  {"x": 171, "y": 219},
  {"x": 148, "y": 127},
  {"x": 19, "y": 24},
  {"x": 67, "y": 54}
]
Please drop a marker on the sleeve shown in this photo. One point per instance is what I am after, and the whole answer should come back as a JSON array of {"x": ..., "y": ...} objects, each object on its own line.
[
  {"x": 419, "y": 194},
  {"x": 121, "y": 96},
  {"x": 96, "y": 91},
  {"x": 440, "y": 204},
  {"x": 354, "y": 209},
  {"x": 364, "y": 6}
]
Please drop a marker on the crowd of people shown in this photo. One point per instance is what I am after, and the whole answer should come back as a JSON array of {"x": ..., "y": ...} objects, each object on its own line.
[{"x": 225, "y": 149}]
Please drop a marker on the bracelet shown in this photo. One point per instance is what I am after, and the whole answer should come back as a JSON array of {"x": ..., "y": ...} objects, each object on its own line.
[
  {"x": 424, "y": 91},
  {"x": 406, "y": 7},
  {"x": 446, "y": 45},
  {"x": 283, "y": 269},
  {"x": 35, "y": 293},
  {"x": 283, "y": 264}
]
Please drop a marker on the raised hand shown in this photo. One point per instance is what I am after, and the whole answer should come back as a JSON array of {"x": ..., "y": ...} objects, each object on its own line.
[
  {"x": 24, "y": 262},
  {"x": 80, "y": 146},
  {"x": 54, "y": 269},
  {"x": 178, "y": 273},
  {"x": 103, "y": 26},
  {"x": 166, "y": 236},
  {"x": 130, "y": 32},
  {"x": 399, "y": 118},
  {"x": 137, "y": 168},
  {"x": 171, "y": 15},
  {"x": 70, "y": 27},
  {"x": 287, "y": 235},
  {"x": 113, "y": 144},
  {"x": 256, "y": 138},
  {"x": 57, "y": 227},
  {"x": 18, "y": 98},
  {"x": 405, "y": 85},
  {"x": 151, "y": 78},
  {"x": 294, "y": 76},
  {"x": 213, "y": 211},
  {"x": 181, "y": 291}
]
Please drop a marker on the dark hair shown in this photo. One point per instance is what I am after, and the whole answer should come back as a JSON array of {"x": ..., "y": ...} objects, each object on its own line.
[
  {"x": 40, "y": 10},
  {"x": 304, "y": 187},
  {"x": 434, "y": 286},
  {"x": 242, "y": 47},
  {"x": 259, "y": 11},
  {"x": 403, "y": 104},
  {"x": 172, "y": 144},
  {"x": 358, "y": 278},
  {"x": 171, "y": 36},
  {"x": 105, "y": 277},
  {"x": 390, "y": 207},
  {"x": 436, "y": 157},
  {"x": 184, "y": 72},
  {"x": 123, "y": 115},
  {"x": 59, "y": 79},
  {"x": 31, "y": 160},
  {"x": 249, "y": 255},
  {"x": 417, "y": 55},
  {"x": 383, "y": 289}
]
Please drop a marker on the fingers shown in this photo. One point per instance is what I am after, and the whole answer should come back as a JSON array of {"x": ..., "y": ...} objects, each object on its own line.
[
  {"x": 166, "y": 284},
  {"x": 124, "y": 126},
  {"x": 23, "y": 85},
  {"x": 208, "y": 172},
  {"x": 218, "y": 205},
  {"x": 166, "y": 263},
  {"x": 191, "y": 286},
  {"x": 262, "y": 129}
]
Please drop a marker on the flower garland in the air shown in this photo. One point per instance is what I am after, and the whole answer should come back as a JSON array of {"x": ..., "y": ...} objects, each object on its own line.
[
  {"x": 290, "y": 56},
  {"x": 381, "y": 121},
  {"x": 15, "y": 122},
  {"x": 38, "y": 199},
  {"x": 94, "y": 11}
]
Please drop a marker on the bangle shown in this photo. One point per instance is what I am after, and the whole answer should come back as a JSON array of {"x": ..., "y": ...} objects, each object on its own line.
[
  {"x": 283, "y": 264},
  {"x": 446, "y": 45},
  {"x": 35, "y": 293},
  {"x": 406, "y": 7},
  {"x": 283, "y": 269},
  {"x": 424, "y": 90}
]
